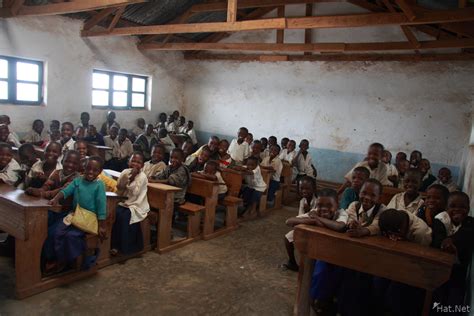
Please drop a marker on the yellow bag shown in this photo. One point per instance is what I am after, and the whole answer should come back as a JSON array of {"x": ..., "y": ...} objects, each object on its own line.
[{"x": 84, "y": 219}]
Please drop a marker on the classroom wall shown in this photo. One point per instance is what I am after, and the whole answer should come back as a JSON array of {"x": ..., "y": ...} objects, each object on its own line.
[{"x": 69, "y": 61}]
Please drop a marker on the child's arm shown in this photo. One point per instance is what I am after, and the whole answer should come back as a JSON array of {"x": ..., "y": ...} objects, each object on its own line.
[
  {"x": 332, "y": 225},
  {"x": 356, "y": 230},
  {"x": 55, "y": 200},
  {"x": 293, "y": 221}
]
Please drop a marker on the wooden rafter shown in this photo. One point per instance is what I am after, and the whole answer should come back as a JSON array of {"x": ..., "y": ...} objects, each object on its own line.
[
  {"x": 405, "y": 29},
  {"x": 231, "y": 11},
  {"x": 280, "y": 34},
  {"x": 115, "y": 20},
  {"x": 99, "y": 17},
  {"x": 308, "y": 33},
  {"x": 247, "y": 4}
]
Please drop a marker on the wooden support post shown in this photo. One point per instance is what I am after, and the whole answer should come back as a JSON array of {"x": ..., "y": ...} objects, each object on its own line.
[
  {"x": 281, "y": 33},
  {"x": 231, "y": 10},
  {"x": 406, "y": 9},
  {"x": 308, "y": 33},
  {"x": 405, "y": 29},
  {"x": 117, "y": 17},
  {"x": 99, "y": 17}
]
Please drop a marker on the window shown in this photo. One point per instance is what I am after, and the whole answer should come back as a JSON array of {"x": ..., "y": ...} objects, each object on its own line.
[
  {"x": 118, "y": 91},
  {"x": 21, "y": 81}
]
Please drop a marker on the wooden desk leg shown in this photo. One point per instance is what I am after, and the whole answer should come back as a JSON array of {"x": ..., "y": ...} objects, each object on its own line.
[
  {"x": 194, "y": 221},
  {"x": 231, "y": 216},
  {"x": 302, "y": 306},
  {"x": 209, "y": 216},
  {"x": 427, "y": 304},
  {"x": 165, "y": 221}
]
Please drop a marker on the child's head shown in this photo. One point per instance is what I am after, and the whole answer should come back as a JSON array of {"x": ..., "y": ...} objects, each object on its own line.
[
  {"x": 374, "y": 154},
  {"x": 55, "y": 135},
  {"x": 400, "y": 156},
  {"x": 122, "y": 134},
  {"x": 67, "y": 130},
  {"x": 304, "y": 145},
  {"x": 81, "y": 147},
  {"x": 38, "y": 126},
  {"x": 415, "y": 158},
  {"x": 242, "y": 134},
  {"x": 137, "y": 160},
  {"x": 444, "y": 175},
  {"x": 284, "y": 141},
  {"x": 6, "y": 154},
  {"x": 264, "y": 142},
  {"x": 4, "y": 119},
  {"x": 176, "y": 158},
  {"x": 213, "y": 143},
  {"x": 170, "y": 119},
  {"x": 162, "y": 117},
  {"x": 424, "y": 166},
  {"x": 92, "y": 131},
  {"x": 27, "y": 154},
  {"x": 204, "y": 156},
  {"x": 327, "y": 203},
  {"x": 458, "y": 207},
  {"x": 80, "y": 133},
  {"x": 187, "y": 148},
  {"x": 71, "y": 162},
  {"x": 291, "y": 146},
  {"x": 307, "y": 187},
  {"x": 4, "y": 132},
  {"x": 223, "y": 147},
  {"x": 370, "y": 193},
  {"x": 403, "y": 166},
  {"x": 54, "y": 125},
  {"x": 85, "y": 117},
  {"x": 256, "y": 148},
  {"x": 190, "y": 125},
  {"x": 175, "y": 114},
  {"x": 52, "y": 153},
  {"x": 149, "y": 129},
  {"x": 211, "y": 167},
  {"x": 93, "y": 167},
  {"x": 394, "y": 224},
  {"x": 412, "y": 181},
  {"x": 274, "y": 151},
  {"x": 113, "y": 132},
  {"x": 157, "y": 153},
  {"x": 272, "y": 140},
  {"x": 387, "y": 157},
  {"x": 162, "y": 133},
  {"x": 141, "y": 123},
  {"x": 249, "y": 138},
  {"x": 359, "y": 176},
  {"x": 111, "y": 116},
  {"x": 437, "y": 198},
  {"x": 252, "y": 163},
  {"x": 182, "y": 121}
]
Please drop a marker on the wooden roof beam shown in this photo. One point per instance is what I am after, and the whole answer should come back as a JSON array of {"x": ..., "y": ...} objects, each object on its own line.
[{"x": 246, "y": 4}]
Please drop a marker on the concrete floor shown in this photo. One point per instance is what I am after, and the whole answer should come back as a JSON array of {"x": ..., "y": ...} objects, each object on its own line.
[{"x": 236, "y": 274}]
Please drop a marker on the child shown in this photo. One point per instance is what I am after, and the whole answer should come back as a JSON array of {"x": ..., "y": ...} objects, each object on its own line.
[
  {"x": 399, "y": 157},
  {"x": 403, "y": 166},
  {"x": 284, "y": 141},
  {"x": 111, "y": 141},
  {"x": 436, "y": 201},
  {"x": 427, "y": 178},
  {"x": 162, "y": 118},
  {"x": 80, "y": 133},
  {"x": 364, "y": 215},
  {"x": 256, "y": 150},
  {"x": 37, "y": 136},
  {"x": 265, "y": 152},
  {"x": 93, "y": 137},
  {"x": 81, "y": 147},
  {"x": 41, "y": 170},
  {"x": 239, "y": 148},
  {"x": 146, "y": 141},
  {"x": 27, "y": 156},
  {"x": 155, "y": 165},
  {"x": 274, "y": 163},
  {"x": 85, "y": 118},
  {"x": 171, "y": 126},
  {"x": 181, "y": 124},
  {"x": 166, "y": 141},
  {"x": 303, "y": 162},
  {"x": 9, "y": 168},
  {"x": 254, "y": 185},
  {"x": 410, "y": 200},
  {"x": 197, "y": 164},
  {"x": 122, "y": 151},
  {"x": 453, "y": 232},
  {"x": 89, "y": 193},
  {"x": 55, "y": 136},
  {"x": 54, "y": 126},
  {"x": 109, "y": 123},
  {"x": 249, "y": 138},
  {"x": 6, "y": 136},
  {"x": 225, "y": 161},
  {"x": 127, "y": 235},
  {"x": 308, "y": 202},
  {"x": 351, "y": 194},
  {"x": 12, "y": 136},
  {"x": 289, "y": 153},
  {"x": 188, "y": 149},
  {"x": 272, "y": 140},
  {"x": 140, "y": 127},
  {"x": 211, "y": 172},
  {"x": 445, "y": 179},
  {"x": 189, "y": 130},
  {"x": 67, "y": 142},
  {"x": 212, "y": 145},
  {"x": 415, "y": 159},
  {"x": 392, "y": 172}
]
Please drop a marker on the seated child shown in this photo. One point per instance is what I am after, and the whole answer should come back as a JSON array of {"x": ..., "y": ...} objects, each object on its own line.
[
  {"x": 162, "y": 118},
  {"x": 155, "y": 165},
  {"x": 436, "y": 201},
  {"x": 85, "y": 118},
  {"x": 289, "y": 153},
  {"x": 80, "y": 133},
  {"x": 351, "y": 194},
  {"x": 171, "y": 125},
  {"x": 12, "y": 136},
  {"x": 89, "y": 193},
  {"x": 111, "y": 141},
  {"x": 445, "y": 179},
  {"x": 427, "y": 178},
  {"x": 109, "y": 123},
  {"x": 453, "y": 232},
  {"x": 264, "y": 142},
  {"x": 410, "y": 200},
  {"x": 399, "y": 157},
  {"x": 211, "y": 172},
  {"x": 121, "y": 151},
  {"x": 93, "y": 137},
  {"x": 212, "y": 145},
  {"x": 6, "y": 136},
  {"x": 253, "y": 187},
  {"x": 41, "y": 170},
  {"x": 189, "y": 130},
  {"x": 166, "y": 141},
  {"x": 140, "y": 128},
  {"x": 415, "y": 159},
  {"x": 127, "y": 235},
  {"x": 9, "y": 168},
  {"x": 274, "y": 163},
  {"x": 303, "y": 162},
  {"x": 256, "y": 150},
  {"x": 224, "y": 160},
  {"x": 402, "y": 167},
  {"x": 37, "y": 136},
  {"x": 392, "y": 172},
  {"x": 239, "y": 148},
  {"x": 67, "y": 142},
  {"x": 197, "y": 164},
  {"x": 283, "y": 142},
  {"x": 307, "y": 203},
  {"x": 146, "y": 141},
  {"x": 27, "y": 156},
  {"x": 53, "y": 127},
  {"x": 188, "y": 149},
  {"x": 249, "y": 138},
  {"x": 181, "y": 124}
]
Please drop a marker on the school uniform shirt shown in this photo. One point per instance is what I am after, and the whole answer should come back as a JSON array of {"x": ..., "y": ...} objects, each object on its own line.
[
  {"x": 104, "y": 130},
  {"x": 398, "y": 203},
  {"x": 303, "y": 203},
  {"x": 182, "y": 129},
  {"x": 38, "y": 169},
  {"x": 238, "y": 152},
  {"x": 136, "y": 193},
  {"x": 151, "y": 169},
  {"x": 168, "y": 143},
  {"x": 171, "y": 127},
  {"x": 192, "y": 135},
  {"x": 89, "y": 195},
  {"x": 276, "y": 164},
  {"x": 265, "y": 153},
  {"x": 111, "y": 143},
  {"x": 391, "y": 170},
  {"x": 348, "y": 196},
  {"x": 418, "y": 231},
  {"x": 304, "y": 165},
  {"x": 451, "y": 186},
  {"x": 12, "y": 138},
  {"x": 379, "y": 173},
  {"x": 34, "y": 137},
  {"x": 124, "y": 150},
  {"x": 367, "y": 218},
  {"x": 287, "y": 156},
  {"x": 138, "y": 131},
  {"x": 178, "y": 177},
  {"x": 9, "y": 174},
  {"x": 427, "y": 180},
  {"x": 69, "y": 145},
  {"x": 255, "y": 181}
]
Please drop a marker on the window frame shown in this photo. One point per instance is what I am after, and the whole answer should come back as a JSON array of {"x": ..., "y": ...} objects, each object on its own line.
[
  {"x": 12, "y": 81},
  {"x": 129, "y": 91}
]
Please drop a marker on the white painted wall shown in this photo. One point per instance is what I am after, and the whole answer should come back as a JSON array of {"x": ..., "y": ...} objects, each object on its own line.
[{"x": 69, "y": 61}]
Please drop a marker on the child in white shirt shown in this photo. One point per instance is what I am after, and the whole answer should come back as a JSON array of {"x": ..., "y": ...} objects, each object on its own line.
[
  {"x": 111, "y": 141},
  {"x": 189, "y": 130},
  {"x": 9, "y": 168},
  {"x": 156, "y": 164},
  {"x": 239, "y": 148},
  {"x": 67, "y": 130},
  {"x": 303, "y": 163},
  {"x": 37, "y": 136},
  {"x": 254, "y": 185},
  {"x": 274, "y": 163}
]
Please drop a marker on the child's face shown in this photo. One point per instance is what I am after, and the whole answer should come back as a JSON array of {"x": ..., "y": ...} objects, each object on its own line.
[
  {"x": 92, "y": 131},
  {"x": 38, "y": 127},
  {"x": 85, "y": 118},
  {"x": 54, "y": 126},
  {"x": 223, "y": 147},
  {"x": 176, "y": 159},
  {"x": 415, "y": 158},
  {"x": 374, "y": 155},
  {"x": 122, "y": 136},
  {"x": 272, "y": 141},
  {"x": 213, "y": 144},
  {"x": 401, "y": 234},
  {"x": 290, "y": 146},
  {"x": 5, "y": 157},
  {"x": 4, "y": 132},
  {"x": 284, "y": 142},
  {"x": 411, "y": 184},
  {"x": 256, "y": 149},
  {"x": 182, "y": 121},
  {"x": 358, "y": 179},
  {"x": 424, "y": 166},
  {"x": 458, "y": 208},
  {"x": 274, "y": 151},
  {"x": 386, "y": 157},
  {"x": 251, "y": 164},
  {"x": 136, "y": 162},
  {"x": 111, "y": 117},
  {"x": 66, "y": 131},
  {"x": 82, "y": 149},
  {"x": 204, "y": 157},
  {"x": 210, "y": 169},
  {"x": 162, "y": 118},
  {"x": 249, "y": 138},
  {"x": 189, "y": 125},
  {"x": 71, "y": 163},
  {"x": 170, "y": 119},
  {"x": 326, "y": 207},
  {"x": 149, "y": 130},
  {"x": 27, "y": 158},
  {"x": 79, "y": 133},
  {"x": 141, "y": 123},
  {"x": 187, "y": 148},
  {"x": 52, "y": 153},
  {"x": 369, "y": 195},
  {"x": 306, "y": 190},
  {"x": 403, "y": 166},
  {"x": 444, "y": 175},
  {"x": 113, "y": 133},
  {"x": 157, "y": 155},
  {"x": 435, "y": 201},
  {"x": 304, "y": 146},
  {"x": 264, "y": 142},
  {"x": 92, "y": 170},
  {"x": 242, "y": 134},
  {"x": 400, "y": 156},
  {"x": 55, "y": 136}
]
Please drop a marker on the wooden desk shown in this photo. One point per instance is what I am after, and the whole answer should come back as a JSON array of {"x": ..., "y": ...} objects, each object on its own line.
[
  {"x": 401, "y": 261},
  {"x": 161, "y": 199},
  {"x": 388, "y": 193},
  {"x": 267, "y": 177},
  {"x": 233, "y": 180},
  {"x": 26, "y": 218},
  {"x": 287, "y": 176},
  {"x": 96, "y": 150}
]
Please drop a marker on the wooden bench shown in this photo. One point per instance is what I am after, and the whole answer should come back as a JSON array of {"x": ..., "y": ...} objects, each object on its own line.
[
  {"x": 96, "y": 150},
  {"x": 286, "y": 179},
  {"x": 267, "y": 176},
  {"x": 26, "y": 219},
  {"x": 194, "y": 219},
  {"x": 400, "y": 261}
]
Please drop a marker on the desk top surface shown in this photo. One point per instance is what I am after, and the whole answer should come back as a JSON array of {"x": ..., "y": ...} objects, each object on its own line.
[
  {"x": 16, "y": 196},
  {"x": 163, "y": 187}
]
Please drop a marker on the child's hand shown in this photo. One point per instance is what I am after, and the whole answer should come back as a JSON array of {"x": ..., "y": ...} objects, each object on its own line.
[
  {"x": 356, "y": 232},
  {"x": 448, "y": 246},
  {"x": 133, "y": 174},
  {"x": 54, "y": 201},
  {"x": 312, "y": 214},
  {"x": 353, "y": 225},
  {"x": 307, "y": 208},
  {"x": 102, "y": 231}
]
